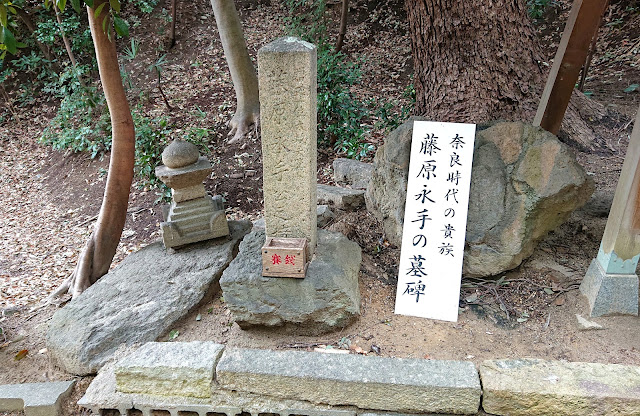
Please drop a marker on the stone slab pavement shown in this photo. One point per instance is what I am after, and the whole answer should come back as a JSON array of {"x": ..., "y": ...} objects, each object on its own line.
[{"x": 36, "y": 399}]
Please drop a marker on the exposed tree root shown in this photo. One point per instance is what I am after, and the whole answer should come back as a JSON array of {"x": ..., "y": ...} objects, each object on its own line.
[
  {"x": 242, "y": 124},
  {"x": 84, "y": 275},
  {"x": 583, "y": 118}
]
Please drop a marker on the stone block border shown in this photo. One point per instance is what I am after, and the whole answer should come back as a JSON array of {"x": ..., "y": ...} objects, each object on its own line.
[
  {"x": 36, "y": 399},
  {"x": 294, "y": 383}
]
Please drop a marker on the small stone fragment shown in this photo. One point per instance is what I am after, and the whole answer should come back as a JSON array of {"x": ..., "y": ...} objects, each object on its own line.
[{"x": 586, "y": 325}]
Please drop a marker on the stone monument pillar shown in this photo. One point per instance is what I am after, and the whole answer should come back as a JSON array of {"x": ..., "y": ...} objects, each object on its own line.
[
  {"x": 287, "y": 76},
  {"x": 193, "y": 215}
]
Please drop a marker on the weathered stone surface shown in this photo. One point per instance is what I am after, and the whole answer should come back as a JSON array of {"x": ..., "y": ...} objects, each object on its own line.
[
  {"x": 355, "y": 173},
  {"x": 102, "y": 394},
  {"x": 36, "y": 399},
  {"x": 524, "y": 183},
  {"x": 137, "y": 301},
  {"x": 387, "y": 191},
  {"x": 343, "y": 198},
  {"x": 325, "y": 215},
  {"x": 287, "y": 77},
  {"x": 169, "y": 369},
  {"x": 393, "y": 384},
  {"x": 192, "y": 221},
  {"x": 557, "y": 388},
  {"x": 179, "y": 154},
  {"x": 328, "y": 298}
]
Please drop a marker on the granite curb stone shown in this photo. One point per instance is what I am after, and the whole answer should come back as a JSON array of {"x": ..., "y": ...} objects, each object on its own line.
[
  {"x": 36, "y": 399},
  {"x": 540, "y": 387},
  {"x": 393, "y": 384},
  {"x": 169, "y": 368}
]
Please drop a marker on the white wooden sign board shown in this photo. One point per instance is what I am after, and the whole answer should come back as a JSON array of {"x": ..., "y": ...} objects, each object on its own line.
[{"x": 435, "y": 220}]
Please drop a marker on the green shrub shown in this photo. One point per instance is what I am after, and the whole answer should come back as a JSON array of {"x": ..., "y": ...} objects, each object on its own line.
[{"x": 341, "y": 116}]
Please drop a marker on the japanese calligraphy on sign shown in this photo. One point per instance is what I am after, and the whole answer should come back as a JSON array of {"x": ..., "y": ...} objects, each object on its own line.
[{"x": 435, "y": 220}]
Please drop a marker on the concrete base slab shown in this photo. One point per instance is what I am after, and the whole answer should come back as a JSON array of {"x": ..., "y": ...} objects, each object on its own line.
[
  {"x": 557, "y": 388},
  {"x": 610, "y": 294},
  {"x": 36, "y": 399}
]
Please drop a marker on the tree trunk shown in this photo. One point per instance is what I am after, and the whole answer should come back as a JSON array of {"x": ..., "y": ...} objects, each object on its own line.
[
  {"x": 67, "y": 46},
  {"x": 243, "y": 73},
  {"x": 474, "y": 61},
  {"x": 96, "y": 257},
  {"x": 172, "y": 32},
  {"x": 46, "y": 51}
]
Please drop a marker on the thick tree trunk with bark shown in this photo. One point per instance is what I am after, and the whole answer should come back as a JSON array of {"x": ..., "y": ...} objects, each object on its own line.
[
  {"x": 243, "y": 73},
  {"x": 477, "y": 61},
  {"x": 96, "y": 257},
  {"x": 474, "y": 60}
]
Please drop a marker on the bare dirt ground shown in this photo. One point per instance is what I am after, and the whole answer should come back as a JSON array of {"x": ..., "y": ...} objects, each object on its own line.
[{"x": 50, "y": 200}]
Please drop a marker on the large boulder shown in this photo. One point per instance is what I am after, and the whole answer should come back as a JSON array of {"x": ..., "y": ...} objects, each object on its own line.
[
  {"x": 524, "y": 183},
  {"x": 137, "y": 301},
  {"x": 327, "y": 299}
]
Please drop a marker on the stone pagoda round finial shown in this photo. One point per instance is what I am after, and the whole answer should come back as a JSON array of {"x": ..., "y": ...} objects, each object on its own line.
[{"x": 180, "y": 154}]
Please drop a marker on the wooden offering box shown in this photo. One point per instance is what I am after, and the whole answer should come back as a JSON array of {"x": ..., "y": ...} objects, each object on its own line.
[{"x": 284, "y": 257}]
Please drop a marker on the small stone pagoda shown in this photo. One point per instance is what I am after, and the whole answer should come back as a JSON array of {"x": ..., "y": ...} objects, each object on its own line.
[{"x": 193, "y": 215}]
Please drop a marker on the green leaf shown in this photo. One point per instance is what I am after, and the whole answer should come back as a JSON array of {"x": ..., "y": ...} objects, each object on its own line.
[
  {"x": 548, "y": 291},
  {"x": 173, "y": 334},
  {"x": 632, "y": 88},
  {"x": 9, "y": 41},
  {"x": 61, "y": 4},
  {"x": 3, "y": 15},
  {"x": 122, "y": 27},
  {"x": 104, "y": 25},
  {"x": 99, "y": 10},
  {"x": 76, "y": 6},
  {"x": 115, "y": 5},
  {"x": 89, "y": 3}
]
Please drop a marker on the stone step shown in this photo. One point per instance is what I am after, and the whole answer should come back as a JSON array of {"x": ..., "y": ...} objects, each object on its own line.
[
  {"x": 36, "y": 399},
  {"x": 539, "y": 387},
  {"x": 391, "y": 384}
]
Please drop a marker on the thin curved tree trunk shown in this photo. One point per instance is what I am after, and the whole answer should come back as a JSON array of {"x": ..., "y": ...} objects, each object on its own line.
[
  {"x": 25, "y": 17},
  {"x": 344, "y": 15},
  {"x": 96, "y": 256},
  {"x": 67, "y": 46},
  {"x": 243, "y": 73}
]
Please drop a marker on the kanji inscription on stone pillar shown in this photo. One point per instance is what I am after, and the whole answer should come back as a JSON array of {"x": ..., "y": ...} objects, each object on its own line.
[{"x": 287, "y": 76}]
